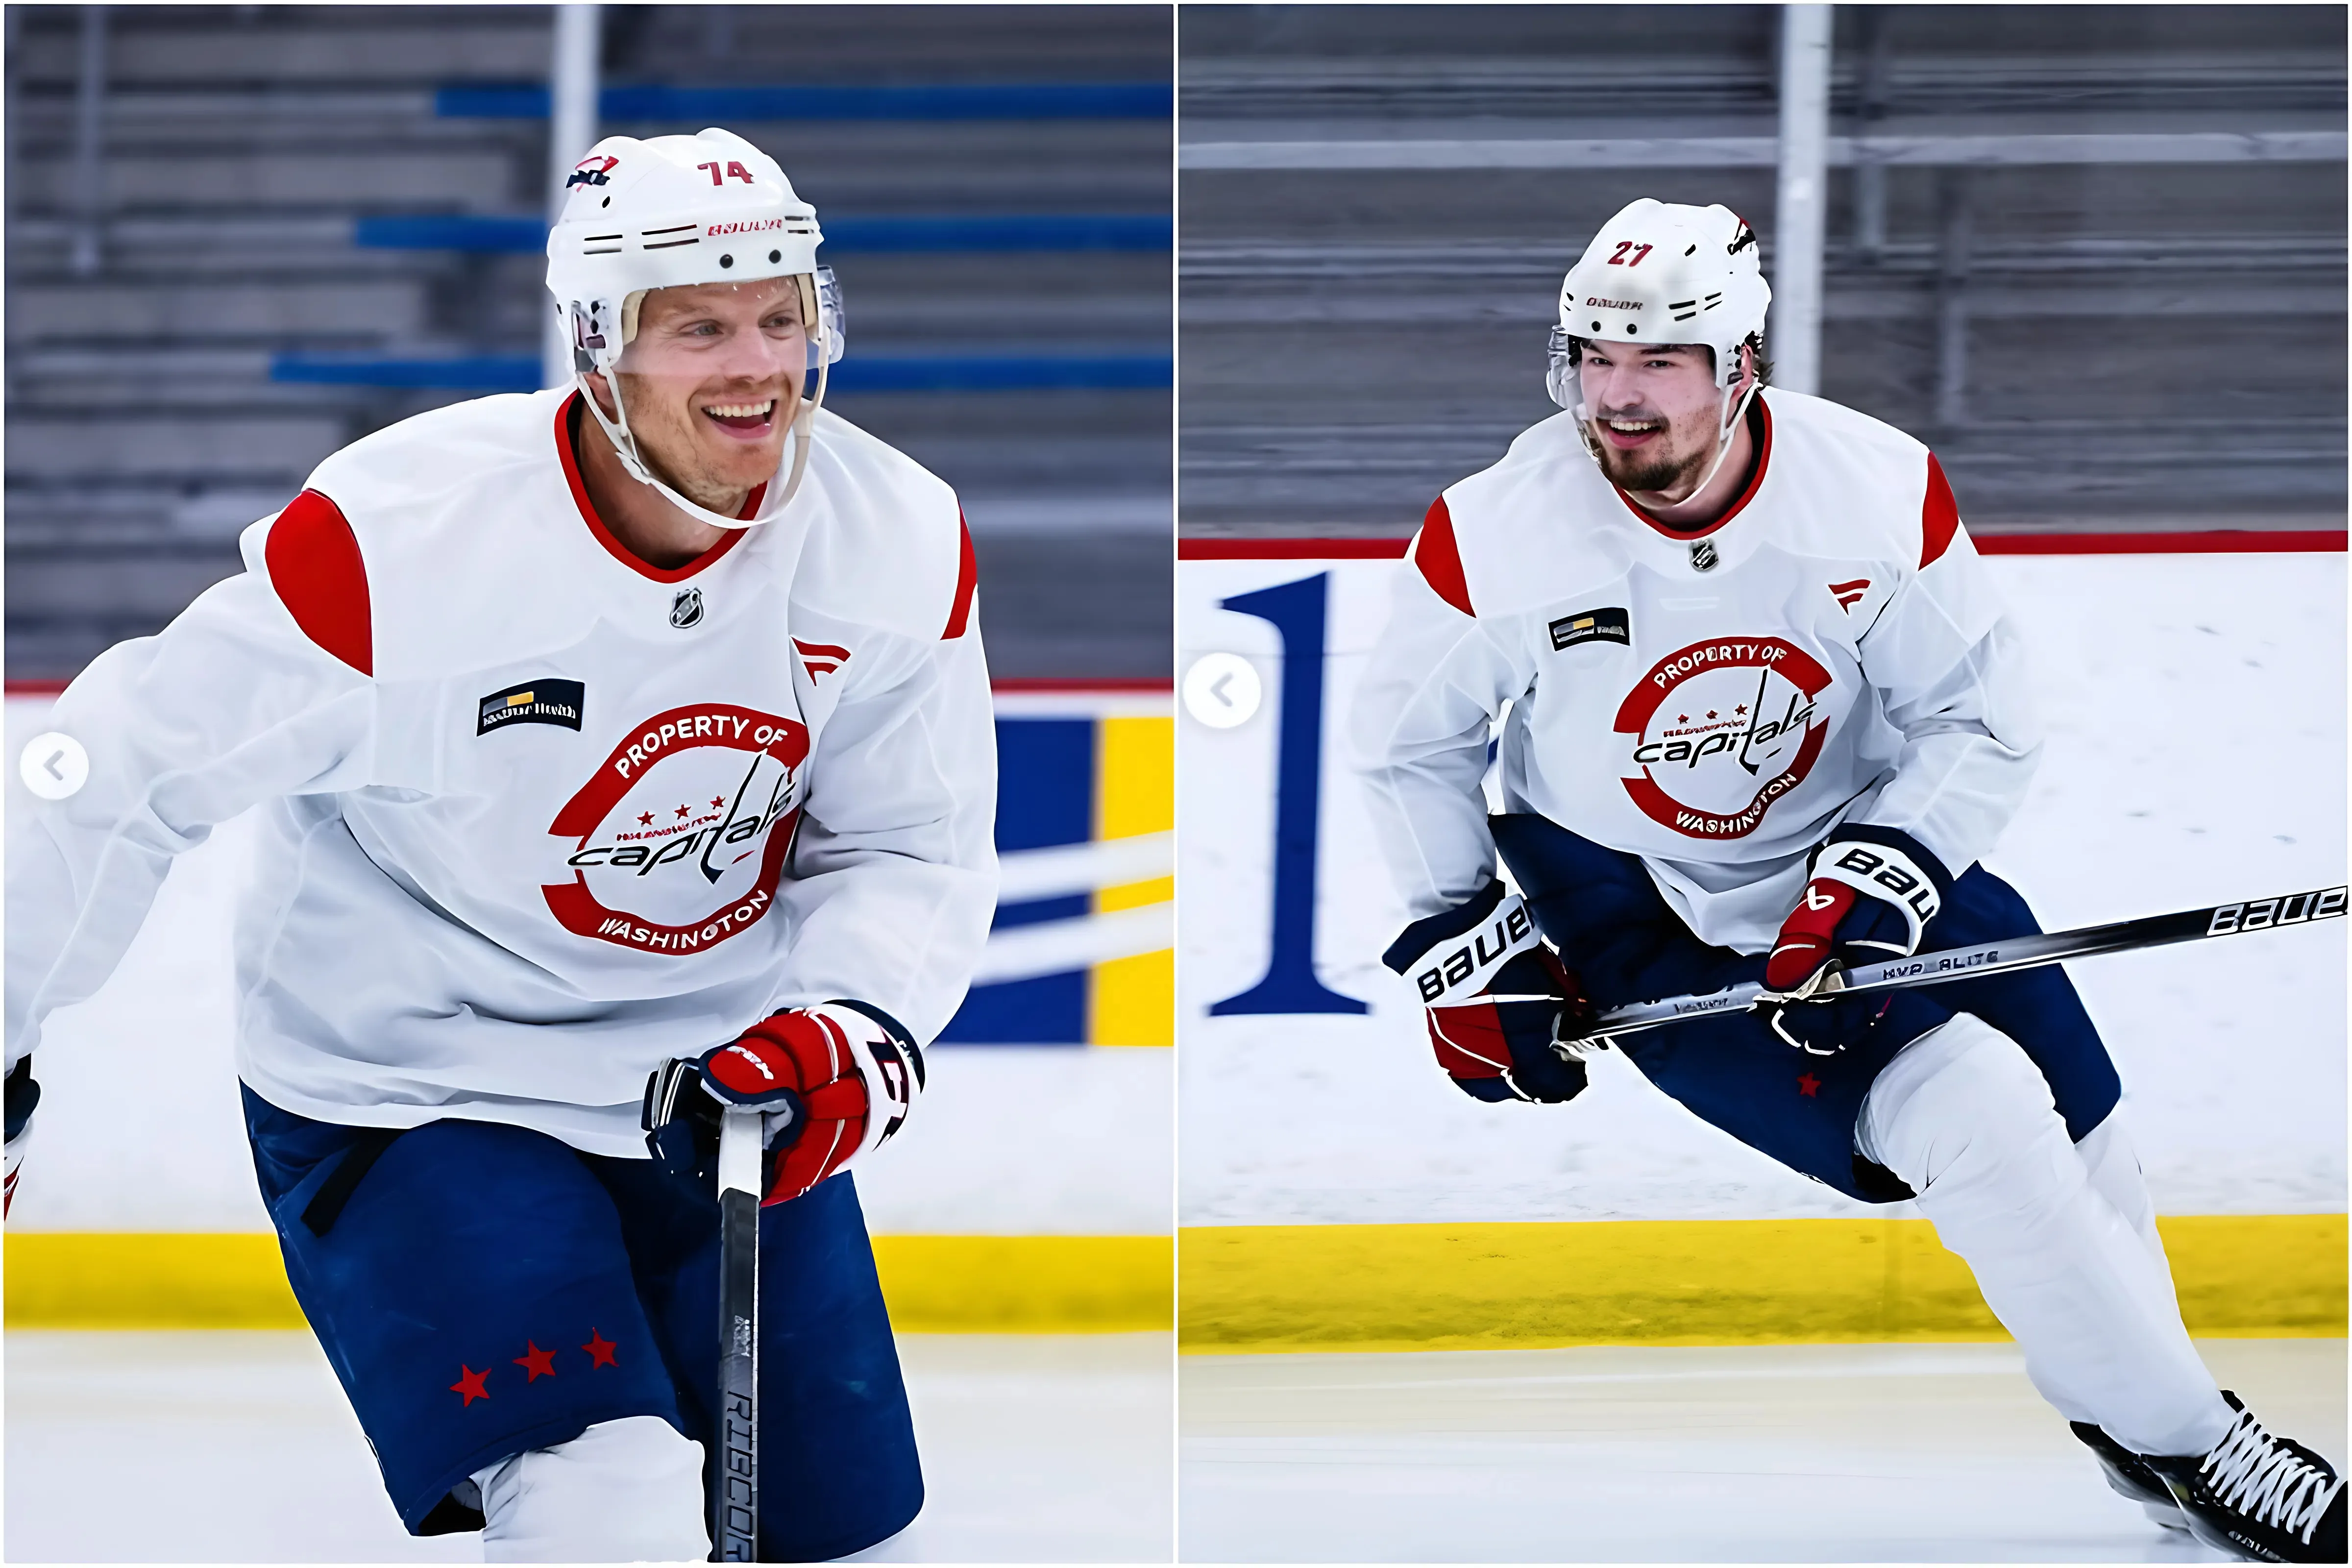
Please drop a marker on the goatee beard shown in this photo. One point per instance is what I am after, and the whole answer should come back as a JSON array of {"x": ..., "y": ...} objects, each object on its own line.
[{"x": 1646, "y": 474}]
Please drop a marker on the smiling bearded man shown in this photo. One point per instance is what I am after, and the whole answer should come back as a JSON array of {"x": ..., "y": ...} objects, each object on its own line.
[
  {"x": 1764, "y": 714},
  {"x": 623, "y": 752}
]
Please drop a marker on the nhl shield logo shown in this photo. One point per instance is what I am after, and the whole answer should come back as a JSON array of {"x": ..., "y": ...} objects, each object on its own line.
[
  {"x": 1702, "y": 556},
  {"x": 686, "y": 610}
]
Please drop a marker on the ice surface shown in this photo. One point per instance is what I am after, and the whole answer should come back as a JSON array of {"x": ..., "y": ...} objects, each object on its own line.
[
  {"x": 1783, "y": 1453},
  {"x": 221, "y": 1447}
]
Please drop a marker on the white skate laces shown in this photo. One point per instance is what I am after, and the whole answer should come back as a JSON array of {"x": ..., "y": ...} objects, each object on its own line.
[{"x": 2255, "y": 1474}]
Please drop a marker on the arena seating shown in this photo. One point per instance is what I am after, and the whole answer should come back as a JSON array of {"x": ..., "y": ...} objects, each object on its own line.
[{"x": 306, "y": 222}]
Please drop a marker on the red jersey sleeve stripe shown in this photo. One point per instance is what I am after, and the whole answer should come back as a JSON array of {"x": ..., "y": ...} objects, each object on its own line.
[
  {"x": 967, "y": 579},
  {"x": 316, "y": 570},
  {"x": 1440, "y": 562},
  {"x": 1939, "y": 515}
]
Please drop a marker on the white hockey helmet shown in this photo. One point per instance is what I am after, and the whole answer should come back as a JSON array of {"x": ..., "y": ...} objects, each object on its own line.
[
  {"x": 1660, "y": 272},
  {"x": 670, "y": 211}
]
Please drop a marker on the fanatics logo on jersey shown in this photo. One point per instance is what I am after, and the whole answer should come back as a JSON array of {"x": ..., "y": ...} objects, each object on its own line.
[
  {"x": 1703, "y": 556},
  {"x": 820, "y": 657},
  {"x": 1592, "y": 626},
  {"x": 1721, "y": 730},
  {"x": 686, "y": 610},
  {"x": 534, "y": 702},
  {"x": 1849, "y": 595}
]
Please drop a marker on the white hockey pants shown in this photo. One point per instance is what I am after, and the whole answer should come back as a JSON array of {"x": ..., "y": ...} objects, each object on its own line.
[
  {"x": 2061, "y": 1238},
  {"x": 622, "y": 1491}
]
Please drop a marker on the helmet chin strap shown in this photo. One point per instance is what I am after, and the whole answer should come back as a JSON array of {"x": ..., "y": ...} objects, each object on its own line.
[
  {"x": 624, "y": 443},
  {"x": 1733, "y": 413},
  {"x": 1726, "y": 428}
]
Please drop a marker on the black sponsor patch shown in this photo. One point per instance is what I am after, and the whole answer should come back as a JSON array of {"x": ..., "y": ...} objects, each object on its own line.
[
  {"x": 534, "y": 702},
  {"x": 1592, "y": 626}
]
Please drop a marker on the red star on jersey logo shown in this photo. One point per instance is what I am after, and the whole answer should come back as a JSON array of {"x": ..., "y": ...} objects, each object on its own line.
[
  {"x": 1808, "y": 1086},
  {"x": 716, "y": 801},
  {"x": 682, "y": 813},
  {"x": 644, "y": 819},
  {"x": 600, "y": 1351},
  {"x": 538, "y": 1363},
  {"x": 470, "y": 1384}
]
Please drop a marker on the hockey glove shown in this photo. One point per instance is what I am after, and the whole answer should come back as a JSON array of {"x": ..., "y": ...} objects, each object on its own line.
[
  {"x": 833, "y": 1080},
  {"x": 1873, "y": 890},
  {"x": 1498, "y": 1001},
  {"x": 23, "y": 1095}
]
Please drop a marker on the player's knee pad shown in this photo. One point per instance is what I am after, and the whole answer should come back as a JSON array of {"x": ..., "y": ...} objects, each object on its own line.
[
  {"x": 1964, "y": 1116},
  {"x": 628, "y": 1491}
]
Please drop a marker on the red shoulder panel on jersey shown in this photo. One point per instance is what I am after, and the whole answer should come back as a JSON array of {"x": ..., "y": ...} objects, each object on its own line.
[
  {"x": 1440, "y": 562},
  {"x": 315, "y": 566},
  {"x": 967, "y": 579},
  {"x": 1939, "y": 518}
]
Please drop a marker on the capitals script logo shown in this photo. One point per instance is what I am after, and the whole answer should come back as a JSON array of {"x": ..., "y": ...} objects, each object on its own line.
[
  {"x": 679, "y": 839},
  {"x": 1720, "y": 730}
]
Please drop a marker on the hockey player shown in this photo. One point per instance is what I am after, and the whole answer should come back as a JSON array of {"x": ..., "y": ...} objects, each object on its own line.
[
  {"x": 621, "y": 750},
  {"x": 1762, "y": 713}
]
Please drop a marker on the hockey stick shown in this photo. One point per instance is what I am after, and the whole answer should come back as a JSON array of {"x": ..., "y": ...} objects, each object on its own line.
[
  {"x": 1996, "y": 957},
  {"x": 735, "y": 1459}
]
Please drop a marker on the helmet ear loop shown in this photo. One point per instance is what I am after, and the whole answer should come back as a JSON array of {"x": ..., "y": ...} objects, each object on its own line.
[
  {"x": 617, "y": 430},
  {"x": 1579, "y": 410},
  {"x": 804, "y": 415},
  {"x": 1733, "y": 413}
]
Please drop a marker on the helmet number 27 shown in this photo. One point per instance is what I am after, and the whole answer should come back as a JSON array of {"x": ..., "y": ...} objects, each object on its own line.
[{"x": 1617, "y": 260}]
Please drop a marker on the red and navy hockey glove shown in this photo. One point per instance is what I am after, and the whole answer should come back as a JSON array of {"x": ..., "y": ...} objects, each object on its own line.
[
  {"x": 834, "y": 1080},
  {"x": 23, "y": 1095},
  {"x": 1873, "y": 890},
  {"x": 1498, "y": 1001}
]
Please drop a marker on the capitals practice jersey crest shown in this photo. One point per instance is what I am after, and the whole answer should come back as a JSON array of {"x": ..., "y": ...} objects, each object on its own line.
[
  {"x": 1714, "y": 700},
  {"x": 536, "y": 815}
]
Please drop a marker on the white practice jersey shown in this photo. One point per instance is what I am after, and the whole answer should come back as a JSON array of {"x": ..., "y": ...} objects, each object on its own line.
[
  {"x": 1714, "y": 701},
  {"x": 537, "y": 817}
]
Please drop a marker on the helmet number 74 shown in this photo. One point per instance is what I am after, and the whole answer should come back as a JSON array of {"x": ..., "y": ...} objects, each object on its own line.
[{"x": 737, "y": 172}]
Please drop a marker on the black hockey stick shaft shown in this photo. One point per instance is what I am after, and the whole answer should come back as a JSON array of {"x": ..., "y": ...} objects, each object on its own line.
[
  {"x": 1999, "y": 957},
  {"x": 735, "y": 1461}
]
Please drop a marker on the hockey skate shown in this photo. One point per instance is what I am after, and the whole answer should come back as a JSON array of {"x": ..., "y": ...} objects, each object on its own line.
[
  {"x": 2257, "y": 1496},
  {"x": 2129, "y": 1476}
]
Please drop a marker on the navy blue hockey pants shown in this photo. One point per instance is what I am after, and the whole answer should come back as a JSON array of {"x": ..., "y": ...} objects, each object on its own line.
[
  {"x": 483, "y": 1289},
  {"x": 1599, "y": 907}
]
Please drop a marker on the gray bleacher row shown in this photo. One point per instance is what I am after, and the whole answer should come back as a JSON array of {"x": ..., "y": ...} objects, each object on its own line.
[
  {"x": 1372, "y": 240},
  {"x": 240, "y": 142}
]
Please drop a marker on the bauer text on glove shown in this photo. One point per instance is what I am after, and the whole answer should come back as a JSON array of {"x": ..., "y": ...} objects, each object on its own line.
[
  {"x": 1498, "y": 1000},
  {"x": 1871, "y": 893}
]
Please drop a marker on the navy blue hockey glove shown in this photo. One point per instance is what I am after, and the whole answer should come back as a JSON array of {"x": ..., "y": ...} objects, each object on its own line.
[
  {"x": 1873, "y": 890},
  {"x": 1498, "y": 1001},
  {"x": 23, "y": 1095}
]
